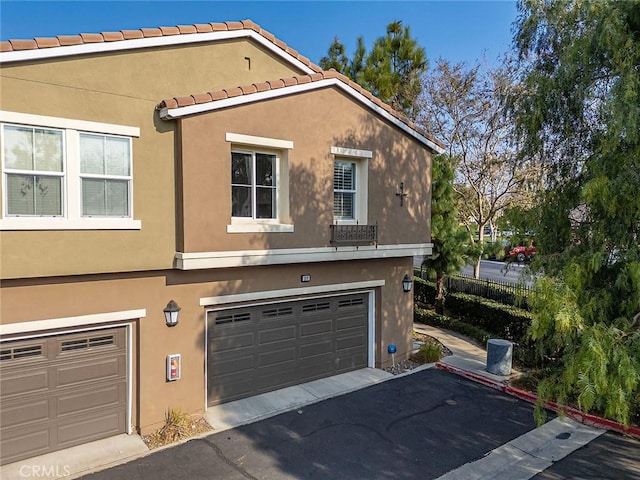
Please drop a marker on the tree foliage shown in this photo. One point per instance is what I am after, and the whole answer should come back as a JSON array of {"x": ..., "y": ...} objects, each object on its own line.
[
  {"x": 579, "y": 110},
  {"x": 450, "y": 239},
  {"x": 392, "y": 70},
  {"x": 466, "y": 107}
]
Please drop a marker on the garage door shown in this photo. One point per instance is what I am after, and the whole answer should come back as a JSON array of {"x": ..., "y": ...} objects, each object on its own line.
[
  {"x": 61, "y": 391},
  {"x": 256, "y": 349}
]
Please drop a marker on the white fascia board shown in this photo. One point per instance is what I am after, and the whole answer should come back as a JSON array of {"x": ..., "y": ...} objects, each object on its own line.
[
  {"x": 69, "y": 322},
  {"x": 351, "y": 152},
  {"x": 150, "y": 42},
  {"x": 289, "y": 292},
  {"x": 250, "y": 258},
  {"x": 258, "y": 141},
  {"x": 178, "y": 112}
]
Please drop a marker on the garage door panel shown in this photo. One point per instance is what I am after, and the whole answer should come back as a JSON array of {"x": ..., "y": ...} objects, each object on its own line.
[
  {"x": 101, "y": 397},
  {"x": 224, "y": 341},
  {"x": 272, "y": 335},
  {"x": 236, "y": 365},
  {"x": 107, "y": 424},
  {"x": 14, "y": 442},
  {"x": 23, "y": 382},
  {"x": 89, "y": 370},
  {"x": 309, "y": 328},
  {"x": 71, "y": 394},
  {"x": 294, "y": 341},
  {"x": 324, "y": 347},
  {"x": 277, "y": 357},
  {"x": 23, "y": 411}
]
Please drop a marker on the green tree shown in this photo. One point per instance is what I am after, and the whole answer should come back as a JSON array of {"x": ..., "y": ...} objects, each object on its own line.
[
  {"x": 450, "y": 239},
  {"x": 579, "y": 110},
  {"x": 392, "y": 70}
]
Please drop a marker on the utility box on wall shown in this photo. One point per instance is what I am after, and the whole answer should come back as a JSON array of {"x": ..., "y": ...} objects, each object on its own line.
[{"x": 173, "y": 367}]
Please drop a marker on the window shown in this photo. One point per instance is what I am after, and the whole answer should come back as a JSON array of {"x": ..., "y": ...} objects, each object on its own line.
[
  {"x": 259, "y": 184},
  {"x": 33, "y": 165},
  {"x": 65, "y": 174},
  {"x": 344, "y": 190},
  {"x": 105, "y": 170},
  {"x": 350, "y": 185},
  {"x": 254, "y": 185}
]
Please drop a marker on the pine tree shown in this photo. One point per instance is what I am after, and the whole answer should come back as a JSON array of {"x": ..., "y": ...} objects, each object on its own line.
[{"x": 450, "y": 239}]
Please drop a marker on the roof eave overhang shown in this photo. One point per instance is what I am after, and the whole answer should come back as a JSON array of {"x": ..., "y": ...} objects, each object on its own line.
[
  {"x": 150, "y": 42},
  {"x": 179, "y": 112}
]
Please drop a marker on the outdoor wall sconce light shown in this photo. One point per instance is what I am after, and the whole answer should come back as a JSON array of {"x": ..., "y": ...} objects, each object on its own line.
[
  {"x": 407, "y": 283},
  {"x": 171, "y": 312}
]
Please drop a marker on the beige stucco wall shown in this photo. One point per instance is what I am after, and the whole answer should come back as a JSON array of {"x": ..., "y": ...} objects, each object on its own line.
[
  {"x": 122, "y": 88},
  {"x": 30, "y": 300},
  {"x": 314, "y": 121}
]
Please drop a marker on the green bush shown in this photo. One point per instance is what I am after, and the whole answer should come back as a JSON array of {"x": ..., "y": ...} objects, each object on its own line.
[
  {"x": 424, "y": 291},
  {"x": 502, "y": 321}
]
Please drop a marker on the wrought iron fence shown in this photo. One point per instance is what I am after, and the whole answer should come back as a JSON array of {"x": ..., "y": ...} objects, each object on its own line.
[{"x": 503, "y": 292}]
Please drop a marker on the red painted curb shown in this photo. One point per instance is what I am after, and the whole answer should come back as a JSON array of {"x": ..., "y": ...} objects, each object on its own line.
[{"x": 573, "y": 413}]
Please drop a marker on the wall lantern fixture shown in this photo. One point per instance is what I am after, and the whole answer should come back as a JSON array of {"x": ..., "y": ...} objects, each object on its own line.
[
  {"x": 407, "y": 283},
  {"x": 171, "y": 312}
]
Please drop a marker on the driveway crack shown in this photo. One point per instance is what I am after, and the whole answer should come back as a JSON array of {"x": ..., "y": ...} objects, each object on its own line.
[{"x": 226, "y": 460}]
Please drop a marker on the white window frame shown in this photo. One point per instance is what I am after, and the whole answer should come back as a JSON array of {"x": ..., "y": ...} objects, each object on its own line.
[
  {"x": 71, "y": 218},
  {"x": 280, "y": 148},
  {"x": 361, "y": 160}
]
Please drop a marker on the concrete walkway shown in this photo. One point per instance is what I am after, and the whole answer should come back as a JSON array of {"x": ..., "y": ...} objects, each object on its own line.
[{"x": 81, "y": 460}]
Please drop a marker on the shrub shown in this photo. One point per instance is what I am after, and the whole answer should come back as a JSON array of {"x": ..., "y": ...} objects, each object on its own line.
[
  {"x": 424, "y": 291},
  {"x": 429, "y": 317},
  {"x": 430, "y": 352}
]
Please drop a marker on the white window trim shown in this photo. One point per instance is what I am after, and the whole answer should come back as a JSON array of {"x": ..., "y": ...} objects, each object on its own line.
[
  {"x": 72, "y": 218},
  {"x": 241, "y": 142},
  {"x": 361, "y": 159}
]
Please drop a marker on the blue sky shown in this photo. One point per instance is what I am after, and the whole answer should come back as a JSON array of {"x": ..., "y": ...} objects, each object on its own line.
[{"x": 454, "y": 30}]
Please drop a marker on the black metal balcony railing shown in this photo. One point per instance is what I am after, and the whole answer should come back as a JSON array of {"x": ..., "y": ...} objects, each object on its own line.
[{"x": 356, "y": 235}]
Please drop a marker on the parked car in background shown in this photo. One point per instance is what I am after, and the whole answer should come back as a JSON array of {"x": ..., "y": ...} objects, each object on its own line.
[{"x": 522, "y": 254}]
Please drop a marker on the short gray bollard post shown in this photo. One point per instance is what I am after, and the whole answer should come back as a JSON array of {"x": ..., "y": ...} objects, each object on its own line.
[{"x": 499, "y": 356}]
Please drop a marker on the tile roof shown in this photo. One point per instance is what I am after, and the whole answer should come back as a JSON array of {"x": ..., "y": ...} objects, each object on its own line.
[
  {"x": 39, "y": 43},
  {"x": 254, "y": 88}
]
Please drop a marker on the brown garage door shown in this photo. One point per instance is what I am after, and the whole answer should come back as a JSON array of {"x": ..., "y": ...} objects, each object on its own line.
[
  {"x": 256, "y": 349},
  {"x": 61, "y": 391}
]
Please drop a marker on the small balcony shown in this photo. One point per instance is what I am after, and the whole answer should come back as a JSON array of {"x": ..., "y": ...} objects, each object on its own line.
[{"x": 354, "y": 235}]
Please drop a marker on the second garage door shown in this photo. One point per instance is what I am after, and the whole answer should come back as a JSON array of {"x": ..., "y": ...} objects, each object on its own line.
[{"x": 256, "y": 349}]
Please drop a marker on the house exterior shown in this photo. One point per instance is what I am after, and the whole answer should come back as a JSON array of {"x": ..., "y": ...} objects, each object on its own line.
[{"x": 277, "y": 205}]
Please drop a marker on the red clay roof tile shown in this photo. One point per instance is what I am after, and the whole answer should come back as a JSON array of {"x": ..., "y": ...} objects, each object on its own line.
[
  {"x": 316, "y": 76},
  {"x": 276, "y": 84},
  {"x": 249, "y": 24},
  {"x": 234, "y": 25},
  {"x": 233, "y": 92},
  {"x": 132, "y": 34},
  {"x": 23, "y": 44},
  {"x": 170, "y": 30},
  {"x": 218, "y": 95},
  {"x": 91, "y": 38},
  {"x": 66, "y": 40},
  {"x": 186, "y": 29},
  {"x": 112, "y": 36},
  {"x": 219, "y": 27},
  {"x": 151, "y": 32},
  {"x": 303, "y": 79},
  {"x": 248, "y": 89},
  {"x": 203, "y": 27},
  {"x": 168, "y": 103},
  {"x": 290, "y": 82},
  {"x": 47, "y": 42},
  {"x": 185, "y": 101},
  {"x": 262, "y": 86},
  {"x": 5, "y": 46},
  {"x": 202, "y": 98}
]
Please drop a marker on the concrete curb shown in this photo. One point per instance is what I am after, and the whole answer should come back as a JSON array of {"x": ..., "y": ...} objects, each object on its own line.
[{"x": 573, "y": 413}]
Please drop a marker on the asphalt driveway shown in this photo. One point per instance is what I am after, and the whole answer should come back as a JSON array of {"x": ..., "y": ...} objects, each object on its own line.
[{"x": 418, "y": 426}]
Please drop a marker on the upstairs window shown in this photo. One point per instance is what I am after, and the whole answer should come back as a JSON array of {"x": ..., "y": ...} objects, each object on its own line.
[
  {"x": 34, "y": 170},
  {"x": 105, "y": 171},
  {"x": 65, "y": 174},
  {"x": 344, "y": 190},
  {"x": 254, "y": 185}
]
